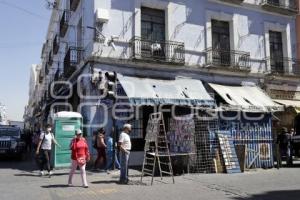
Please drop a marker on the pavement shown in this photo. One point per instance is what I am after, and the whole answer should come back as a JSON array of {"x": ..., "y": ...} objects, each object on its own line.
[{"x": 20, "y": 181}]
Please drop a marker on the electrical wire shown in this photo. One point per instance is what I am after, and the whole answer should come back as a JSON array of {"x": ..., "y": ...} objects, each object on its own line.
[{"x": 23, "y": 10}]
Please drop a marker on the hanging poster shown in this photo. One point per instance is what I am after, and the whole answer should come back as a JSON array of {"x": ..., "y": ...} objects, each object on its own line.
[
  {"x": 264, "y": 151},
  {"x": 181, "y": 134}
]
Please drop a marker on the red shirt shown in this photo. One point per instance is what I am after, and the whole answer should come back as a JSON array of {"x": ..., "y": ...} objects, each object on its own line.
[{"x": 79, "y": 149}]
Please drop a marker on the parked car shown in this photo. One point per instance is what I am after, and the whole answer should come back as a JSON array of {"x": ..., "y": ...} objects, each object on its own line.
[{"x": 11, "y": 143}]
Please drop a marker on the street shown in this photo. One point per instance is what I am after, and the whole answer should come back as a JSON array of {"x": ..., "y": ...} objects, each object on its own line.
[{"x": 19, "y": 180}]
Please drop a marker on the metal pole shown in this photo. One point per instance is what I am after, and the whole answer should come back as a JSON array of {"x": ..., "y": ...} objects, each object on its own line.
[{"x": 114, "y": 135}]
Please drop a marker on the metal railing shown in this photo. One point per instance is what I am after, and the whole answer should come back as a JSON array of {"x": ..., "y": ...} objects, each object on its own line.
[
  {"x": 74, "y": 4},
  {"x": 64, "y": 23},
  {"x": 50, "y": 58},
  {"x": 228, "y": 58},
  {"x": 284, "y": 66},
  {"x": 282, "y": 6},
  {"x": 72, "y": 59},
  {"x": 296, "y": 67},
  {"x": 162, "y": 51},
  {"x": 55, "y": 45}
]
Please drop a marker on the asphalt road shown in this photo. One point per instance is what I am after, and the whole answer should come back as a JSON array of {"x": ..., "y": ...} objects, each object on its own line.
[{"x": 20, "y": 181}]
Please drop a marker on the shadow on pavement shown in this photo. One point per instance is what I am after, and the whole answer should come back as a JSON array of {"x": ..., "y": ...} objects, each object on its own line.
[
  {"x": 105, "y": 182},
  {"x": 274, "y": 195},
  {"x": 27, "y": 165},
  {"x": 56, "y": 186}
]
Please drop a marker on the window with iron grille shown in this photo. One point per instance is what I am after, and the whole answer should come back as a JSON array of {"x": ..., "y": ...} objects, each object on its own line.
[
  {"x": 276, "y": 51},
  {"x": 221, "y": 42}
]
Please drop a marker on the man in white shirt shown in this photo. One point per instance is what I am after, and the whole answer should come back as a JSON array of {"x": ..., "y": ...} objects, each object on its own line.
[{"x": 125, "y": 147}]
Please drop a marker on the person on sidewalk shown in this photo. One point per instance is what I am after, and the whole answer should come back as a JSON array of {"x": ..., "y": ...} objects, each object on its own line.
[
  {"x": 80, "y": 156},
  {"x": 100, "y": 147},
  {"x": 44, "y": 148},
  {"x": 125, "y": 147},
  {"x": 110, "y": 153}
]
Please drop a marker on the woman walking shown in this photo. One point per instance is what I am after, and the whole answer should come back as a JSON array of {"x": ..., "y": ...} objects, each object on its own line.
[
  {"x": 80, "y": 156},
  {"x": 44, "y": 149},
  {"x": 100, "y": 146}
]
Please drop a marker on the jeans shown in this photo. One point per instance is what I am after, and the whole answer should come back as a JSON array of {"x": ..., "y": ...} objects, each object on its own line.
[
  {"x": 109, "y": 158},
  {"x": 46, "y": 159},
  {"x": 82, "y": 173},
  {"x": 124, "y": 158}
]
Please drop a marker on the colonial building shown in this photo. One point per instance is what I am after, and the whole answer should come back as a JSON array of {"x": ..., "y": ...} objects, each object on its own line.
[{"x": 221, "y": 43}]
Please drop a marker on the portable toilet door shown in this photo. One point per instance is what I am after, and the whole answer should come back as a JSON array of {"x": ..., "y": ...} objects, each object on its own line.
[{"x": 65, "y": 123}]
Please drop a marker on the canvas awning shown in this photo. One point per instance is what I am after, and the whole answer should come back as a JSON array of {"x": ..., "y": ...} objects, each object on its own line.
[
  {"x": 182, "y": 91},
  {"x": 246, "y": 98},
  {"x": 289, "y": 103}
]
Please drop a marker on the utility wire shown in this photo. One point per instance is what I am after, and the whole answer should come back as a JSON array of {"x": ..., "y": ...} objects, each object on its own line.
[{"x": 23, "y": 10}]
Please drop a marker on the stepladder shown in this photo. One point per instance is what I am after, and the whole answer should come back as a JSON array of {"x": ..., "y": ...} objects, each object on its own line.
[{"x": 156, "y": 151}]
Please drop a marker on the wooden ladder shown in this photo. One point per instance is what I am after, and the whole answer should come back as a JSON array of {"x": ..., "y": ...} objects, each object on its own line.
[{"x": 156, "y": 150}]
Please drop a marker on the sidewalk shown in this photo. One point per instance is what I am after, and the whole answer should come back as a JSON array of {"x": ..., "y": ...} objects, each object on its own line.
[{"x": 19, "y": 183}]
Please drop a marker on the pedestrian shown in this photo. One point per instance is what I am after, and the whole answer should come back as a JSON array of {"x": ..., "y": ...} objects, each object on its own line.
[
  {"x": 125, "y": 147},
  {"x": 282, "y": 141},
  {"x": 36, "y": 136},
  {"x": 100, "y": 146},
  {"x": 44, "y": 149},
  {"x": 80, "y": 156},
  {"x": 289, "y": 157},
  {"x": 110, "y": 148}
]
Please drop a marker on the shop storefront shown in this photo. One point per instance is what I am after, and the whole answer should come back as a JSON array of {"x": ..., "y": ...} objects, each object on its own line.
[
  {"x": 289, "y": 98},
  {"x": 246, "y": 117}
]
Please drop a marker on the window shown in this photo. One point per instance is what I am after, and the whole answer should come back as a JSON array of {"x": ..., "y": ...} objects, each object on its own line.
[
  {"x": 221, "y": 42},
  {"x": 276, "y": 51},
  {"x": 152, "y": 33},
  {"x": 153, "y": 24}
]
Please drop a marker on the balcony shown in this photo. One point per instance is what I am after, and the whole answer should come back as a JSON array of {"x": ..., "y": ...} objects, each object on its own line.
[
  {"x": 228, "y": 59},
  {"x": 55, "y": 45},
  {"x": 157, "y": 51},
  {"x": 74, "y": 4},
  {"x": 64, "y": 23},
  {"x": 72, "y": 59},
  {"x": 281, "y": 66},
  {"x": 50, "y": 59},
  {"x": 286, "y": 7},
  {"x": 296, "y": 67}
]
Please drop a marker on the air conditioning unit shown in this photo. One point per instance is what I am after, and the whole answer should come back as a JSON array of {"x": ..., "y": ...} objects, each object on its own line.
[{"x": 102, "y": 15}]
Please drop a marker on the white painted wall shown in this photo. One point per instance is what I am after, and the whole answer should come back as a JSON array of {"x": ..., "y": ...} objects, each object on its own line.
[{"x": 190, "y": 23}]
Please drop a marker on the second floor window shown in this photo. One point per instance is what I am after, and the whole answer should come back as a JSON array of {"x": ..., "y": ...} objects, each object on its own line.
[
  {"x": 153, "y": 33},
  {"x": 153, "y": 24},
  {"x": 220, "y": 35},
  {"x": 221, "y": 43},
  {"x": 276, "y": 51}
]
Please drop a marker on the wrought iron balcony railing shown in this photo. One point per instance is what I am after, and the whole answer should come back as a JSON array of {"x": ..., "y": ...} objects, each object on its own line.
[
  {"x": 64, "y": 23},
  {"x": 72, "y": 59},
  {"x": 74, "y": 4},
  {"x": 228, "y": 59},
  {"x": 296, "y": 67},
  {"x": 50, "y": 58},
  {"x": 158, "y": 51},
  {"x": 55, "y": 45},
  {"x": 284, "y": 66},
  {"x": 286, "y": 7}
]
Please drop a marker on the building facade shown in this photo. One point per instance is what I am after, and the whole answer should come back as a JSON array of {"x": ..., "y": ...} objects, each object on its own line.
[{"x": 230, "y": 42}]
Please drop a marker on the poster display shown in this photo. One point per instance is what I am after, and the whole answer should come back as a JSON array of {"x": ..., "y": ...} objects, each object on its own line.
[
  {"x": 229, "y": 154},
  {"x": 181, "y": 135}
]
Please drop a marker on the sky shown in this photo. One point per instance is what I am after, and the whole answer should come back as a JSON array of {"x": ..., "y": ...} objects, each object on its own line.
[{"x": 23, "y": 28}]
